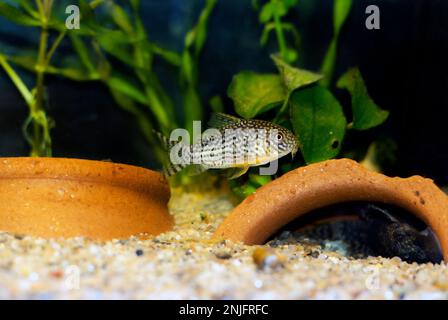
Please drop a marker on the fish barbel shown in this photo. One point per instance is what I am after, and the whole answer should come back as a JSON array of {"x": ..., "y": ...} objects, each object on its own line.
[{"x": 232, "y": 142}]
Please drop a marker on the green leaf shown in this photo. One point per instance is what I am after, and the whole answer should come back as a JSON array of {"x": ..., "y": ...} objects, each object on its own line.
[
  {"x": 188, "y": 74},
  {"x": 341, "y": 11},
  {"x": 242, "y": 191},
  {"x": 254, "y": 93},
  {"x": 255, "y": 4},
  {"x": 96, "y": 3},
  {"x": 192, "y": 106},
  {"x": 87, "y": 14},
  {"x": 28, "y": 62},
  {"x": 169, "y": 56},
  {"x": 75, "y": 74},
  {"x": 117, "y": 44},
  {"x": 290, "y": 3},
  {"x": 128, "y": 105},
  {"x": 17, "y": 16},
  {"x": 143, "y": 121},
  {"x": 89, "y": 25},
  {"x": 286, "y": 27},
  {"x": 329, "y": 61},
  {"x": 121, "y": 18},
  {"x": 294, "y": 78},
  {"x": 216, "y": 104},
  {"x": 259, "y": 180},
  {"x": 29, "y": 7},
  {"x": 135, "y": 4},
  {"x": 366, "y": 114},
  {"x": 275, "y": 8},
  {"x": 267, "y": 12},
  {"x": 319, "y": 122},
  {"x": 15, "y": 78},
  {"x": 83, "y": 52},
  {"x": 126, "y": 87},
  {"x": 201, "y": 27}
]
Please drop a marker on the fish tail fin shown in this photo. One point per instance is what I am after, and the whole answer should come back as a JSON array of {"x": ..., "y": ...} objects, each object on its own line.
[
  {"x": 166, "y": 144},
  {"x": 169, "y": 168}
]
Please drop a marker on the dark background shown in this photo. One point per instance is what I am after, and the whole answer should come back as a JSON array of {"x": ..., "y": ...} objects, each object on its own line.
[{"x": 404, "y": 65}]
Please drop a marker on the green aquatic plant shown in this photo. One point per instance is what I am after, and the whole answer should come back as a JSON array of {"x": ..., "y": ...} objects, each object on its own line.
[
  {"x": 341, "y": 10},
  {"x": 303, "y": 100},
  {"x": 125, "y": 58},
  {"x": 111, "y": 46},
  {"x": 38, "y": 124},
  {"x": 271, "y": 15},
  {"x": 114, "y": 47}
]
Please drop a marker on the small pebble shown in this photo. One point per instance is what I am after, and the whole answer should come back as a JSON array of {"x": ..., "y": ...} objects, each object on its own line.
[
  {"x": 223, "y": 254},
  {"x": 266, "y": 259}
]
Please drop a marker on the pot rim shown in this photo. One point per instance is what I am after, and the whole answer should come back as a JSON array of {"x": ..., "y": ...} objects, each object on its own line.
[{"x": 94, "y": 171}]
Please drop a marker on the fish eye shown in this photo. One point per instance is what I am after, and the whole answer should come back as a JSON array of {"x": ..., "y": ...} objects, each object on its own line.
[{"x": 279, "y": 136}]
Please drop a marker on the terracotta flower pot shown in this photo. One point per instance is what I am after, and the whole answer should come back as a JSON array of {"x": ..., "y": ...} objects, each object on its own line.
[
  {"x": 319, "y": 185},
  {"x": 53, "y": 197}
]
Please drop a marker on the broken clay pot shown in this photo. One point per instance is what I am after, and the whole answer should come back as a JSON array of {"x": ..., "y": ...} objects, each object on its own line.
[
  {"x": 326, "y": 183},
  {"x": 54, "y": 197}
]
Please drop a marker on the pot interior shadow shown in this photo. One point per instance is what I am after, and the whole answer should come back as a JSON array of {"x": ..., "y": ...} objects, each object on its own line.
[{"x": 362, "y": 229}]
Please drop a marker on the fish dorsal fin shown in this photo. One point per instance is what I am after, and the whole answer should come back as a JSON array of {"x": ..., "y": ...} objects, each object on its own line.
[{"x": 219, "y": 120}]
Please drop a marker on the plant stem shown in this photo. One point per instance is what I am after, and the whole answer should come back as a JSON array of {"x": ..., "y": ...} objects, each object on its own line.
[
  {"x": 40, "y": 7},
  {"x": 38, "y": 144},
  {"x": 282, "y": 109},
  {"x": 54, "y": 47},
  {"x": 280, "y": 36},
  {"x": 41, "y": 140}
]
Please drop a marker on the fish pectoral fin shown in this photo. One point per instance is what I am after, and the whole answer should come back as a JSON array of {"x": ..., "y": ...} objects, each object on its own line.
[
  {"x": 237, "y": 172},
  {"x": 195, "y": 169}
]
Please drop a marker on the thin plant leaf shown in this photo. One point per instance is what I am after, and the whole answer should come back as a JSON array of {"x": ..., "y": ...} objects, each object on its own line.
[
  {"x": 341, "y": 10},
  {"x": 169, "y": 56},
  {"x": 73, "y": 72},
  {"x": 126, "y": 87},
  {"x": 15, "y": 78},
  {"x": 122, "y": 19},
  {"x": 116, "y": 43},
  {"x": 18, "y": 16},
  {"x": 201, "y": 27},
  {"x": 194, "y": 43},
  {"x": 83, "y": 52},
  {"x": 29, "y": 7}
]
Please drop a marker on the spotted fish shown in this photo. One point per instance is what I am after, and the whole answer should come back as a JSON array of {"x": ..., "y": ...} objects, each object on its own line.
[{"x": 231, "y": 143}]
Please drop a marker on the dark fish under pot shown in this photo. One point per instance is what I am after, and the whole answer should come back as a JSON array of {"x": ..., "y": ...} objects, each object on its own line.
[{"x": 361, "y": 229}]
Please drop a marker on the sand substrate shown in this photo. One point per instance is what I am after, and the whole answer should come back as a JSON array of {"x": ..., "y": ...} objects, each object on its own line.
[{"x": 185, "y": 264}]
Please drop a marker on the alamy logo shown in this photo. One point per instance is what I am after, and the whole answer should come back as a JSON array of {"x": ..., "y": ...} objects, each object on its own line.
[
  {"x": 373, "y": 20},
  {"x": 73, "y": 275},
  {"x": 73, "y": 20}
]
